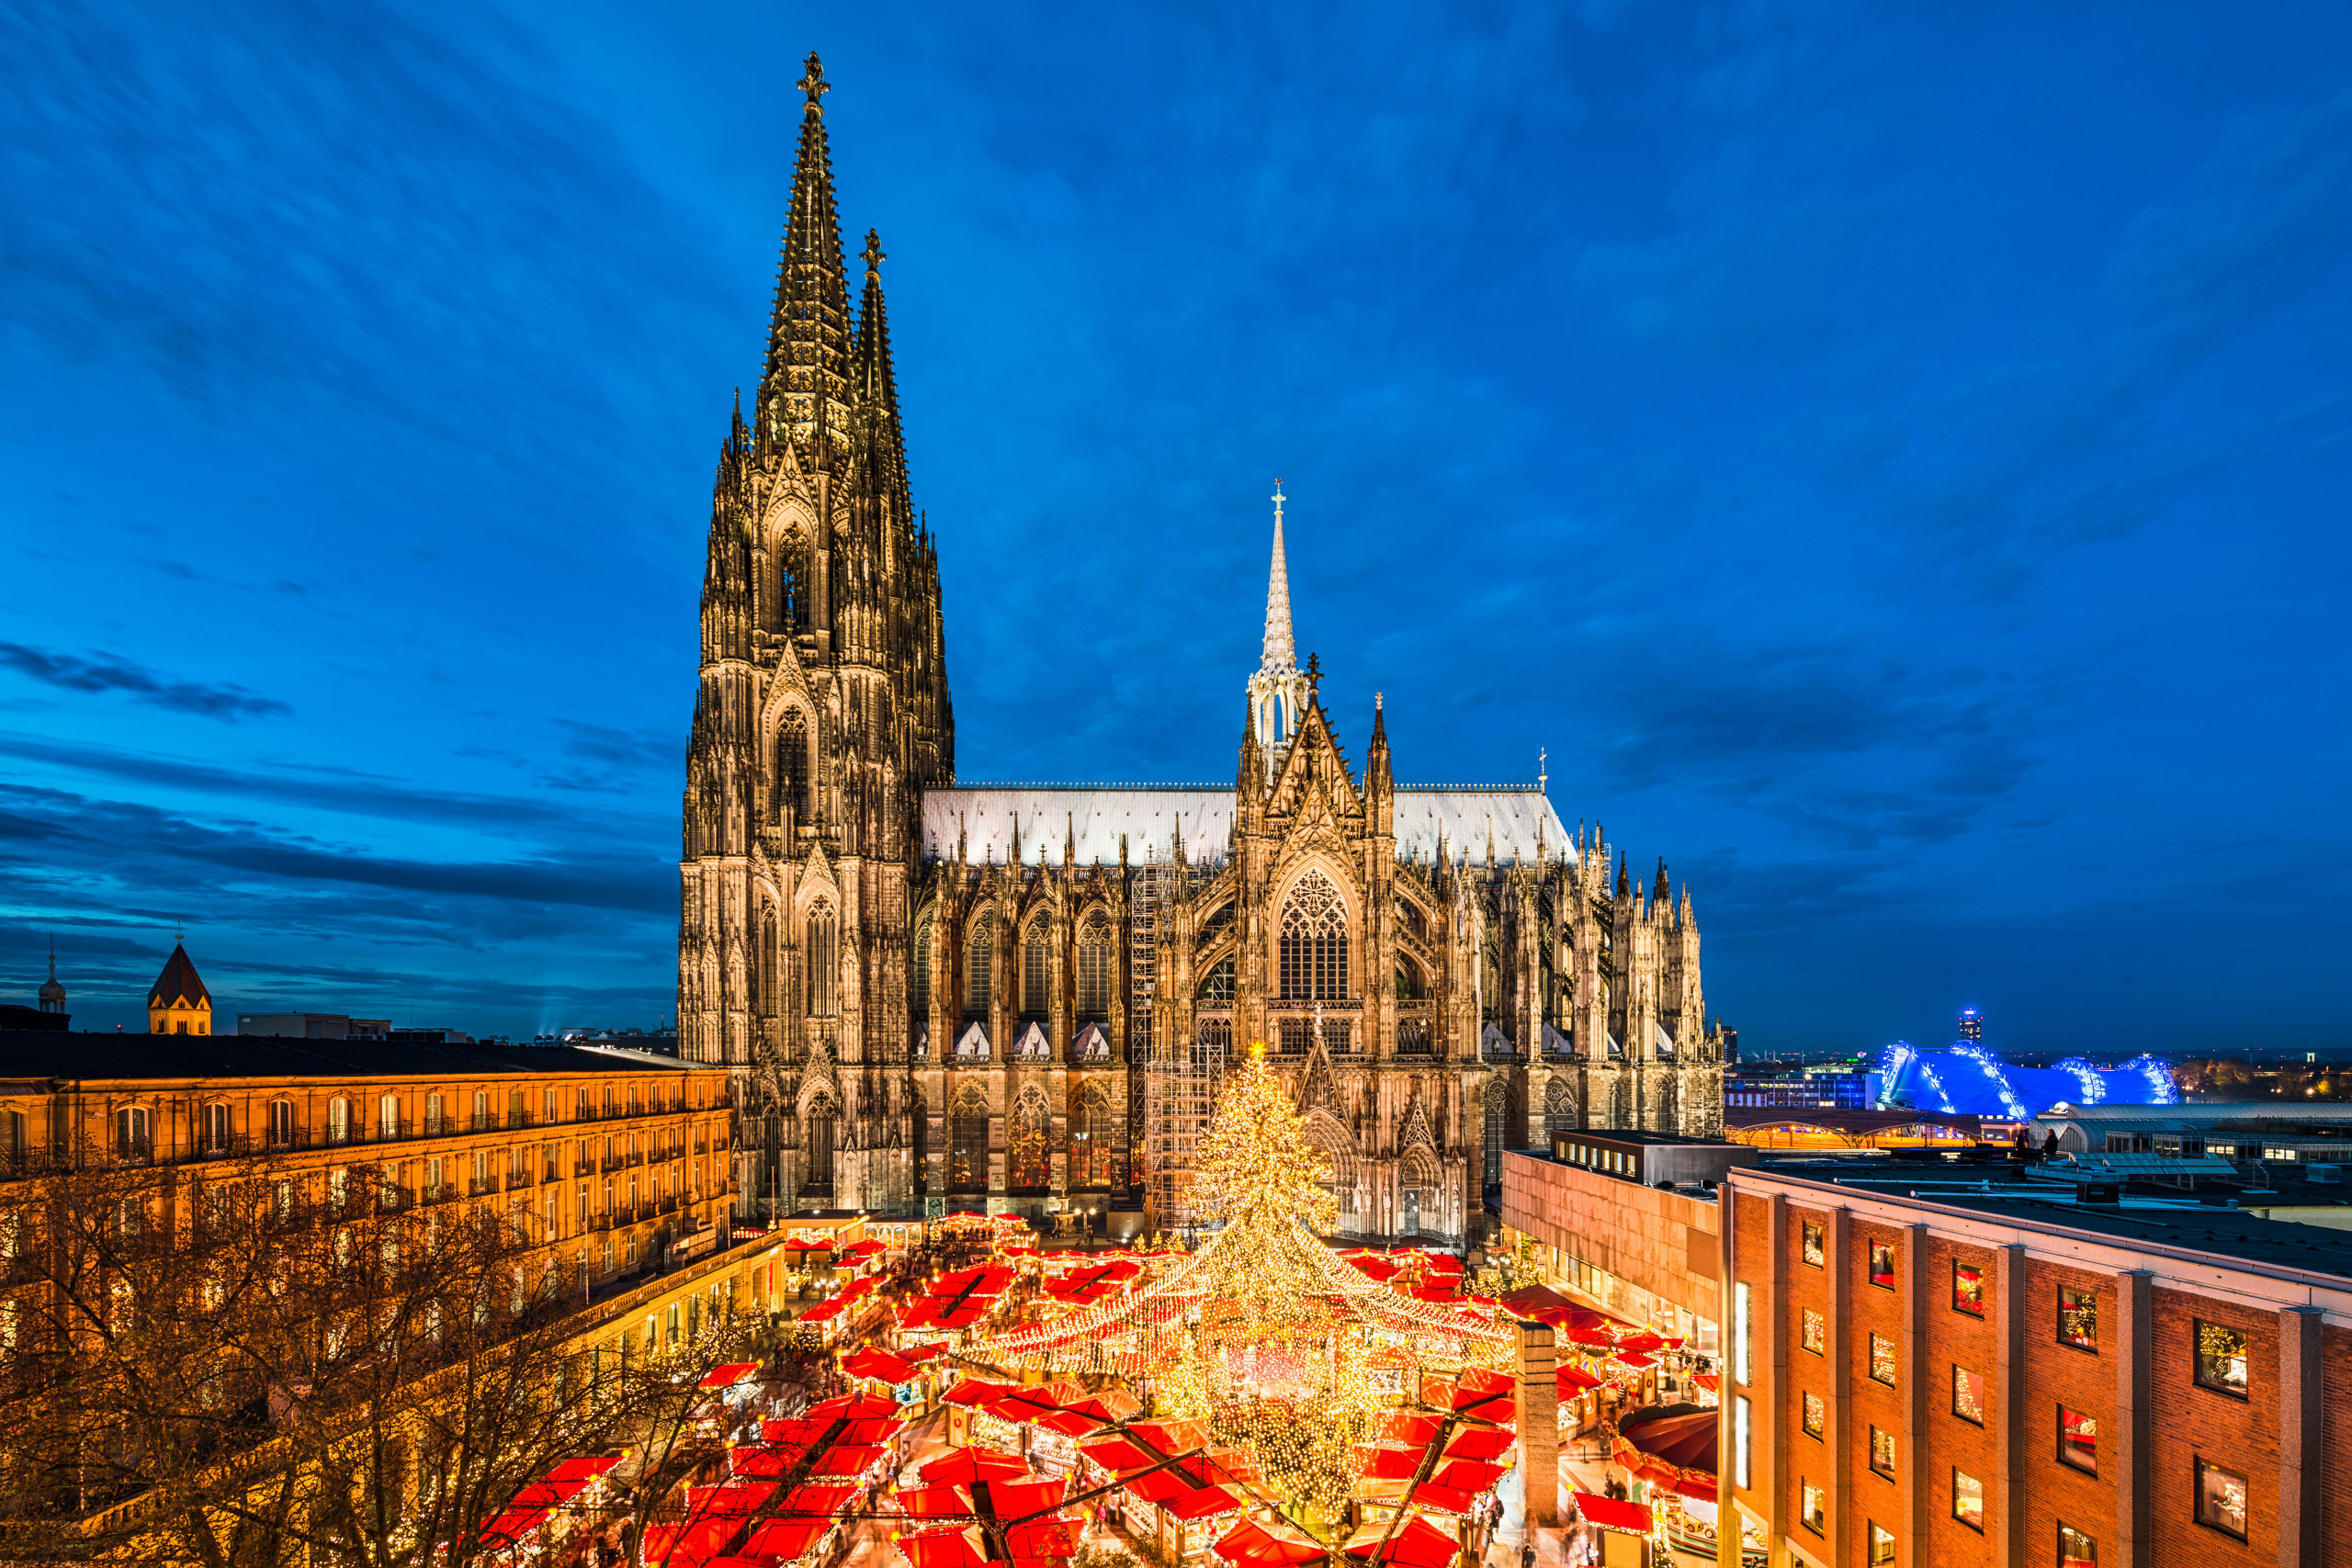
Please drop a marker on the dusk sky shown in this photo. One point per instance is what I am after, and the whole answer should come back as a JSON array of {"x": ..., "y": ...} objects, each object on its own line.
[{"x": 1894, "y": 458}]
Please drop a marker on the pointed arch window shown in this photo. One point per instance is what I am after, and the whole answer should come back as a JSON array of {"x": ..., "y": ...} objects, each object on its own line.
[
  {"x": 1025, "y": 1157},
  {"x": 765, "y": 973},
  {"x": 979, "y": 967},
  {"x": 1095, "y": 970},
  {"x": 1216, "y": 986},
  {"x": 816, "y": 1148},
  {"x": 824, "y": 970},
  {"x": 1313, "y": 942},
  {"x": 919, "y": 983},
  {"x": 1497, "y": 1109},
  {"x": 1036, "y": 988},
  {"x": 967, "y": 1144},
  {"x": 1090, "y": 1139},
  {"x": 792, "y": 767}
]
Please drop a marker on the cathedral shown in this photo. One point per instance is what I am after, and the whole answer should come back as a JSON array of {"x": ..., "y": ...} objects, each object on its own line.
[{"x": 939, "y": 996}]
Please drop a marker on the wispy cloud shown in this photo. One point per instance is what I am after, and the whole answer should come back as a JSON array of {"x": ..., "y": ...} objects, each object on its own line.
[{"x": 105, "y": 673}]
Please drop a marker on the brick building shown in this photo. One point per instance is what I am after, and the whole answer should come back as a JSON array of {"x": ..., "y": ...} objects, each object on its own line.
[{"x": 1925, "y": 1369}]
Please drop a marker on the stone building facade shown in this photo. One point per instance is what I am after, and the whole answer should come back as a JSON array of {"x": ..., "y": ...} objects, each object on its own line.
[{"x": 1015, "y": 995}]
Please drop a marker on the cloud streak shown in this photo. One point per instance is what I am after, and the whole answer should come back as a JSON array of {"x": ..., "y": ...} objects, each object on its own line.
[{"x": 105, "y": 672}]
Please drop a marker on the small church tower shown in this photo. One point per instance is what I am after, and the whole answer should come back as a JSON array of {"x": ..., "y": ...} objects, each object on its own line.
[{"x": 179, "y": 1003}]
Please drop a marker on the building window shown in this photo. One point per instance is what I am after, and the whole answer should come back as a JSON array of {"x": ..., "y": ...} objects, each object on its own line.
[
  {"x": 338, "y": 1121},
  {"x": 1967, "y": 1288},
  {"x": 2078, "y": 1440},
  {"x": 1812, "y": 1334},
  {"x": 1882, "y": 1265},
  {"x": 2220, "y": 1358},
  {"x": 1882, "y": 1451},
  {"x": 2078, "y": 1318},
  {"x": 980, "y": 966},
  {"x": 1027, "y": 1165},
  {"x": 1968, "y": 1395},
  {"x": 1881, "y": 1545},
  {"x": 1314, "y": 942},
  {"x": 1812, "y": 1251},
  {"x": 218, "y": 1121},
  {"x": 1883, "y": 1360},
  {"x": 431, "y": 1115},
  {"x": 1739, "y": 1425},
  {"x": 1094, "y": 971},
  {"x": 1813, "y": 1512},
  {"x": 791, "y": 769},
  {"x": 919, "y": 985},
  {"x": 130, "y": 1133},
  {"x": 388, "y": 1116},
  {"x": 817, "y": 1141},
  {"x": 824, "y": 975},
  {"x": 1216, "y": 986},
  {"x": 1968, "y": 1499},
  {"x": 281, "y": 1123},
  {"x": 2221, "y": 1499},
  {"x": 482, "y": 1123},
  {"x": 1036, "y": 986},
  {"x": 1089, "y": 1140},
  {"x": 2076, "y": 1550},
  {"x": 1816, "y": 1415},
  {"x": 967, "y": 1144},
  {"x": 1740, "y": 1369}
]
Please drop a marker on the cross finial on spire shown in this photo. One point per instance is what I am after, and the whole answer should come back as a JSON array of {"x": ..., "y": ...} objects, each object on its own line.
[
  {"x": 1543, "y": 757},
  {"x": 1314, "y": 673},
  {"x": 874, "y": 255},
  {"x": 813, "y": 82}
]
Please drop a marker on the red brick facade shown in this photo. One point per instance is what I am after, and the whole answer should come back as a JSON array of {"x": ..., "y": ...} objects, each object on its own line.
[{"x": 1938, "y": 1291}]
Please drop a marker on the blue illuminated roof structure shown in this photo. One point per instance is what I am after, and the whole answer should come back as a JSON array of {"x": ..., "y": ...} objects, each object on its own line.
[{"x": 1969, "y": 1078}]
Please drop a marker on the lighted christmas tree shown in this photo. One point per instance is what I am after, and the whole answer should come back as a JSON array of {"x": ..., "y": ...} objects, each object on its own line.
[{"x": 1254, "y": 1168}]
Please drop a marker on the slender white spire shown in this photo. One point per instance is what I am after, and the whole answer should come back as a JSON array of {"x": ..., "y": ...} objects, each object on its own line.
[{"x": 1281, "y": 656}]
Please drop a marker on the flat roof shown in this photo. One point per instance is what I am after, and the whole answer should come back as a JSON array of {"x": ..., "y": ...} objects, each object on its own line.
[
  {"x": 47, "y": 1053},
  {"x": 1657, "y": 1140},
  {"x": 2181, "y": 1222}
]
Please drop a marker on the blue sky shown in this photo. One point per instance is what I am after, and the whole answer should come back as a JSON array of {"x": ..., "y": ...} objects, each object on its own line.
[{"x": 1894, "y": 458}]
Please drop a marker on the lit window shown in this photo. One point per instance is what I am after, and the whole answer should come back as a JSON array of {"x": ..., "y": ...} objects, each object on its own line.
[
  {"x": 1739, "y": 1425},
  {"x": 1967, "y": 1288},
  {"x": 1882, "y": 1451},
  {"x": 2076, "y": 1550},
  {"x": 1968, "y": 1395},
  {"x": 2077, "y": 1318},
  {"x": 1881, "y": 1545},
  {"x": 1816, "y": 1415},
  {"x": 1882, "y": 1264},
  {"x": 2221, "y": 1499},
  {"x": 2220, "y": 1358},
  {"x": 1968, "y": 1500},
  {"x": 1813, "y": 1252},
  {"x": 2078, "y": 1440},
  {"x": 1883, "y": 1360},
  {"x": 1739, "y": 1320},
  {"x": 1814, "y": 1514},
  {"x": 1812, "y": 1331}
]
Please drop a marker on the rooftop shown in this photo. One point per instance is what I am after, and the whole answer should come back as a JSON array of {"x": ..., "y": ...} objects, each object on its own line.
[
  {"x": 26, "y": 1054},
  {"x": 2210, "y": 1223}
]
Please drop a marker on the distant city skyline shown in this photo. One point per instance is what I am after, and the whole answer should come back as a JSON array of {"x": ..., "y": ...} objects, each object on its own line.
[{"x": 1890, "y": 466}]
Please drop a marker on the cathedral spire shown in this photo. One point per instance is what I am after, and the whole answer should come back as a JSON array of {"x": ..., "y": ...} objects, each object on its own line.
[
  {"x": 803, "y": 385},
  {"x": 1281, "y": 658}
]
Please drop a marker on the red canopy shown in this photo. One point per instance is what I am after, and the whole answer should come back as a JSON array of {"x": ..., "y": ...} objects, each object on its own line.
[
  {"x": 731, "y": 1499},
  {"x": 943, "y": 1502},
  {"x": 1168, "y": 1492},
  {"x": 1251, "y": 1545},
  {"x": 778, "y": 1541},
  {"x": 1611, "y": 1515},
  {"x": 1640, "y": 1342},
  {"x": 729, "y": 1375},
  {"x": 976, "y": 1464},
  {"x": 806, "y": 1244},
  {"x": 955, "y": 1546},
  {"x": 510, "y": 1527},
  {"x": 1481, "y": 1442},
  {"x": 583, "y": 1468},
  {"x": 1572, "y": 1379},
  {"x": 852, "y": 1407},
  {"x": 1682, "y": 1434},
  {"x": 1415, "y": 1542},
  {"x": 691, "y": 1545},
  {"x": 846, "y": 1459}
]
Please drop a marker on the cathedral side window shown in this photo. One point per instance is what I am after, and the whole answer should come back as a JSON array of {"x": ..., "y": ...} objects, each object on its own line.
[
  {"x": 967, "y": 1144},
  {"x": 1095, "y": 970},
  {"x": 792, "y": 767},
  {"x": 1497, "y": 1109},
  {"x": 1036, "y": 988},
  {"x": 816, "y": 1148},
  {"x": 1025, "y": 1157},
  {"x": 919, "y": 986},
  {"x": 768, "y": 995},
  {"x": 1089, "y": 1140},
  {"x": 823, "y": 977},
  {"x": 1315, "y": 941},
  {"x": 979, "y": 967},
  {"x": 1216, "y": 986}
]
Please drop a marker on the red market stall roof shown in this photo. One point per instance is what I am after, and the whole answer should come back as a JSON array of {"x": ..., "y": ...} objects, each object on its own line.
[
  {"x": 549, "y": 1494},
  {"x": 976, "y": 1464},
  {"x": 938, "y": 1311},
  {"x": 1251, "y": 1545},
  {"x": 1682, "y": 1435},
  {"x": 729, "y": 1375},
  {"x": 976, "y": 1392},
  {"x": 690, "y": 1545},
  {"x": 859, "y": 1251},
  {"x": 1634, "y": 1359},
  {"x": 810, "y": 1244},
  {"x": 943, "y": 1502},
  {"x": 846, "y": 1459},
  {"x": 852, "y": 1407},
  {"x": 1479, "y": 1442},
  {"x": 1572, "y": 1380},
  {"x": 1170, "y": 1493},
  {"x": 775, "y": 1541},
  {"x": 868, "y": 1362},
  {"x": 1611, "y": 1515},
  {"x": 1416, "y": 1542},
  {"x": 586, "y": 1468},
  {"x": 732, "y": 1499},
  {"x": 510, "y": 1527}
]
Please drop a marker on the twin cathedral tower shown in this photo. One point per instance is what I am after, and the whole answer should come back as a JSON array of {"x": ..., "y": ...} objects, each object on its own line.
[{"x": 1009, "y": 995}]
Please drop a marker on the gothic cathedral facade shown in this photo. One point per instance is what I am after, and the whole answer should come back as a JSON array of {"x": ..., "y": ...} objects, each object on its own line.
[{"x": 948, "y": 996}]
